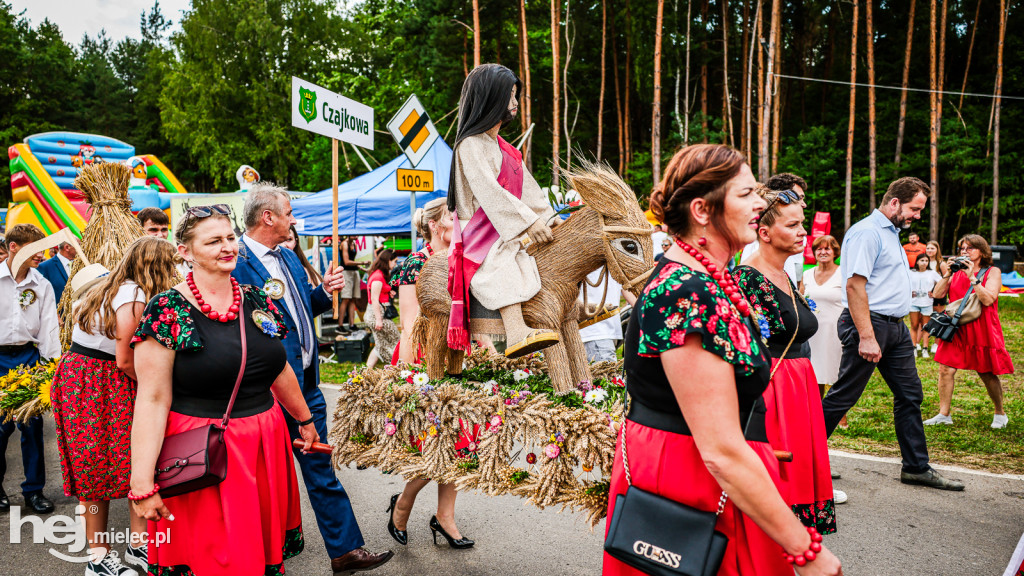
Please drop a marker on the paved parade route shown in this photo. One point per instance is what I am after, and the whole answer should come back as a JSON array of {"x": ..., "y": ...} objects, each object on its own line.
[{"x": 886, "y": 528}]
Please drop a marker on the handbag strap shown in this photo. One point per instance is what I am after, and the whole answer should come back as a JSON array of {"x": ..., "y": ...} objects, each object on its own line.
[
  {"x": 241, "y": 372},
  {"x": 792, "y": 294}
]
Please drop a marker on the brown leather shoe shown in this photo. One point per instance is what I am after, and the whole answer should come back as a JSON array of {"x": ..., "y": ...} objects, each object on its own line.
[{"x": 360, "y": 560}]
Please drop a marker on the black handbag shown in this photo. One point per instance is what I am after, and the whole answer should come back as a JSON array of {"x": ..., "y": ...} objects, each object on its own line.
[
  {"x": 389, "y": 311},
  {"x": 944, "y": 327}
]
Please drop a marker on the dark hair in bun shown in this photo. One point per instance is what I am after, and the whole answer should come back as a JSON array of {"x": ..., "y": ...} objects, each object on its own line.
[{"x": 697, "y": 171}]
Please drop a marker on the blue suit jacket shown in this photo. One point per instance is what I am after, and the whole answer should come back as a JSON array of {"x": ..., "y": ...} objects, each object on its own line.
[
  {"x": 250, "y": 270},
  {"x": 54, "y": 271}
]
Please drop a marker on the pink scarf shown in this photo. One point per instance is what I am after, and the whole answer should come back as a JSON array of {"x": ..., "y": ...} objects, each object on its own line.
[{"x": 470, "y": 247}]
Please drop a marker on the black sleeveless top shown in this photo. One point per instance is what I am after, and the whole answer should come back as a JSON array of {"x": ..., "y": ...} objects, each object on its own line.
[
  {"x": 776, "y": 307},
  {"x": 209, "y": 353},
  {"x": 676, "y": 302}
]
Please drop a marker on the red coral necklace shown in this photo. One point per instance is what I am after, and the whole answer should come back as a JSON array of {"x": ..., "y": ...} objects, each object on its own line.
[
  {"x": 205, "y": 308},
  {"x": 722, "y": 278}
]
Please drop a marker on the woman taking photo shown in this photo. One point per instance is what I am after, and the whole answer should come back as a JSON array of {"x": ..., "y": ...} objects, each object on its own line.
[
  {"x": 93, "y": 397},
  {"x": 977, "y": 345},
  {"x": 434, "y": 223},
  {"x": 794, "y": 420},
  {"x": 696, "y": 369},
  {"x": 922, "y": 281},
  {"x": 188, "y": 353},
  {"x": 379, "y": 311}
]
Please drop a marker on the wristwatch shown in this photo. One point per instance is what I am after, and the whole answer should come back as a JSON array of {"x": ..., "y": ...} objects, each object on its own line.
[{"x": 974, "y": 281}]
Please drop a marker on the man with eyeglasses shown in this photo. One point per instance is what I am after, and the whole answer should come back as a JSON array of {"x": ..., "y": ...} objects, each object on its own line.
[
  {"x": 268, "y": 222},
  {"x": 876, "y": 297}
]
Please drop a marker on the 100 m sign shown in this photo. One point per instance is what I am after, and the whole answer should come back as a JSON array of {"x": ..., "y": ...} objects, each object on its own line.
[{"x": 415, "y": 180}]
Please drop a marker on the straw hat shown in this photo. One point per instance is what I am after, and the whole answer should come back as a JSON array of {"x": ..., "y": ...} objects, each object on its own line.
[{"x": 87, "y": 278}]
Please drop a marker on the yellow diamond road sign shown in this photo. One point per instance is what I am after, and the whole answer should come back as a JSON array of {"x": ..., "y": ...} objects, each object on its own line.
[{"x": 413, "y": 130}]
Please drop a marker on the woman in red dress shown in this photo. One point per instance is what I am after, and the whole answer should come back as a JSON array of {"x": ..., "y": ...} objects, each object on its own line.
[
  {"x": 795, "y": 422},
  {"x": 696, "y": 369},
  {"x": 977, "y": 345},
  {"x": 94, "y": 396},
  {"x": 188, "y": 354}
]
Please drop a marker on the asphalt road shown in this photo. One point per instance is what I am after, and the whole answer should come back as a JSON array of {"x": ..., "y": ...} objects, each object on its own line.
[{"x": 885, "y": 529}]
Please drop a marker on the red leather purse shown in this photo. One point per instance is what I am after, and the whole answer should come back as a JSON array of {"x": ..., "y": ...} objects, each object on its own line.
[{"x": 198, "y": 458}]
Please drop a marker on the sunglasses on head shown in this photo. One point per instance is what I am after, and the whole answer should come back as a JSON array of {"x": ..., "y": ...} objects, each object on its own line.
[
  {"x": 207, "y": 211},
  {"x": 786, "y": 197}
]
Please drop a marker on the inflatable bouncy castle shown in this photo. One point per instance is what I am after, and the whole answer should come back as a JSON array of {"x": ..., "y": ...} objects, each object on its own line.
[{"x": 44, "y": 167}]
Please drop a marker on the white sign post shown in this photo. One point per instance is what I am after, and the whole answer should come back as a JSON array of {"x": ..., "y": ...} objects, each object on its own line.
[{"x": 319, "y": 110}]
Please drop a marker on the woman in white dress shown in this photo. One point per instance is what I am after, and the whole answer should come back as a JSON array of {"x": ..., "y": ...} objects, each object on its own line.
[{"x": 824, "y": 286}]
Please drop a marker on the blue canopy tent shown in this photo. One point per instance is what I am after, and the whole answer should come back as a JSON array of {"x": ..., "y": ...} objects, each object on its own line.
[{"x": 371, "y": 204}]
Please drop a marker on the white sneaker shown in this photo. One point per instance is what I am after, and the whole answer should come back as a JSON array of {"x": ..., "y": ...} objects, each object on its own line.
[
  {"x": 839, "y": 497},
  {"x": 109, "y": 565},
  {"x": 1000, "y": 421},
  {"x": 137, "y": 556},
  {"x": 939, "y": 419},
  {"x": 924, "y": 353}
]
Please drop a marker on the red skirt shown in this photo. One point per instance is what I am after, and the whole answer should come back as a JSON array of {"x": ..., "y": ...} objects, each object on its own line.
[
  {"x": 669, "y": 465},
  {"x": 93, "y": 402},
  {"x": 248, "y": 524},
  {"x": 977, "y": 346},
  {"x": 795, "y": 423}
]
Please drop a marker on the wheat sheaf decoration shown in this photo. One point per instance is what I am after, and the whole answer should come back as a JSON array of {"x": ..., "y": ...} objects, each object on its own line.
[
  {"x": 111, "y": 228},
  {"x": 500, "y": 429}
]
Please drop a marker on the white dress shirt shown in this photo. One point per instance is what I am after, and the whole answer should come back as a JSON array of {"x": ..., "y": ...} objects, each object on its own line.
[
  {"x": 34, "y": 324},
  {"x": 290, "y": 300},
  {"x": 66, "y": 263}
]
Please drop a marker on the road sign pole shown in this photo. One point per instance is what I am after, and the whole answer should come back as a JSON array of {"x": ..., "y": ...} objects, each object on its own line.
[
  {"x": 335, "y": 247},
  {"x": 412, "y": 219}
]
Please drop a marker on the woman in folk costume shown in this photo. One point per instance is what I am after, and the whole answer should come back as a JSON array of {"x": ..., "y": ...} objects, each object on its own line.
[{"x": 496, "y": 202}]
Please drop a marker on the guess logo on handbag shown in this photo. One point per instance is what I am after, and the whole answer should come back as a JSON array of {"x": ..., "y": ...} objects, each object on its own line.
[{"x": 657, "y": 554}]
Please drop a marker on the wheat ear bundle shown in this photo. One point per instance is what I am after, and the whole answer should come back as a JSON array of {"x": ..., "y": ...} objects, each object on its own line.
[{"x": 111, "y": 228}]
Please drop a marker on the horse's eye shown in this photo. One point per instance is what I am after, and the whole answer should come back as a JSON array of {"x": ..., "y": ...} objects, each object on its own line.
[{"x": 631, "y": 247}]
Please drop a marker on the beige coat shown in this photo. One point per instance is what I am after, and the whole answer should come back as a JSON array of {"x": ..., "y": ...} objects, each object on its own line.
[{"x": 508, "y": 275}]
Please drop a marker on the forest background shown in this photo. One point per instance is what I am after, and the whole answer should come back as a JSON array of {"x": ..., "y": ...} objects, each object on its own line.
[{"x": 616, "y": 80}]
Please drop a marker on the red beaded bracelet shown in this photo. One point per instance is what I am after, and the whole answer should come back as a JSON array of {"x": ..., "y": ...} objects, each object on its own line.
[
  {"x": 810, "y": 554},
  {"x": 136, "y": 498}
]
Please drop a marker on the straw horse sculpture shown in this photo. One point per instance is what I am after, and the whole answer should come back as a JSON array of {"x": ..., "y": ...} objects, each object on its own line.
[{"x": 610, "y": 230}]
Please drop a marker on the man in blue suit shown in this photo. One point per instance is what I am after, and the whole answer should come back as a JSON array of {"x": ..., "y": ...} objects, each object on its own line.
[
  {"x": 57, "y": 269},
  {"x": 268, "y": 217}
]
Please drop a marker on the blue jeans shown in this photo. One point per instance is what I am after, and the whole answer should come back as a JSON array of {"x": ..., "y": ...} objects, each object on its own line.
[{"x": 31, "y": 433}]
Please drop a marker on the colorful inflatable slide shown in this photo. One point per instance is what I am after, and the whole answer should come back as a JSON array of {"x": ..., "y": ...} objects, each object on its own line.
[{"x": 43, "y": 170}]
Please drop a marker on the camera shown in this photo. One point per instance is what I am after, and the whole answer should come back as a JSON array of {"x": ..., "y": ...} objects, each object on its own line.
[{"x": 959, "y": 263}]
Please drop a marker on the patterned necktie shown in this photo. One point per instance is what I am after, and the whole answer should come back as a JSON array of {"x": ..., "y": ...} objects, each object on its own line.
[{"x": 304, "y": 326}]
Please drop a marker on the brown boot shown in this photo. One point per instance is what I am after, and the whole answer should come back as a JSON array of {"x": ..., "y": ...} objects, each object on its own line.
[{"x": 359, "y": 560}]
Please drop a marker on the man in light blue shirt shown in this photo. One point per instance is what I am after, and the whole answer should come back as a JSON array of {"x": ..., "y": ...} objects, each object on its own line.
[{"x": 876, "y": 297}]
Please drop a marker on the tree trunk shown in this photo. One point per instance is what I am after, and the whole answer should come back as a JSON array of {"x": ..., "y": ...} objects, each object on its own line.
[
  {"x": 524, "y": 66},
  {"x": 656, "y": 103},
  {"x": 970, "y": 50},
  {"x": 744, "y": 81},
  {"x": 906, "y": 82},
  {"x": 933, "y": 132},
  {"x": 849, "y": 130},
  {"x": 618, "y": 99},
  {"x": 565, "y": 89},
  {"x": 872, "y": 155},
  {"x": 777, "y": 98},
  {"x": 755, "y": 44},
  {"x": 686, "y": 82},
  {"x": 704, "y": 71},
  {"x": 726, "y": 99},
  {"x": 628, "y": 87},
  {"x": 758, "y": 47},
  {"x": 940, "y": 84},
  {"x": 998, "y": 106},
  {"x": 556, "y": 124},
  {"x": 767, "y": 95},
  {"x": 600, "y": 101},
  {"x": 476, "y": 33},
  {"x": 465, "y": 52}
]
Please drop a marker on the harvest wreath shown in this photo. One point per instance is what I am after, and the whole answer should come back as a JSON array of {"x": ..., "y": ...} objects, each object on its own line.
[
  {"x": 25, "y": 392},
  {"x": 518, "y": 437}
]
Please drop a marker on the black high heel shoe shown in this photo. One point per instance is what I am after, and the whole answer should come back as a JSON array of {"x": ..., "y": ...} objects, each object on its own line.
[
  {"x": 400, "y": 536},
  {"x": 458, "y": 544}
]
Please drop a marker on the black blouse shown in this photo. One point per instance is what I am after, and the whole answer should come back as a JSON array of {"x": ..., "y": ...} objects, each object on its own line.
[{"x": 777, "y": 308}]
